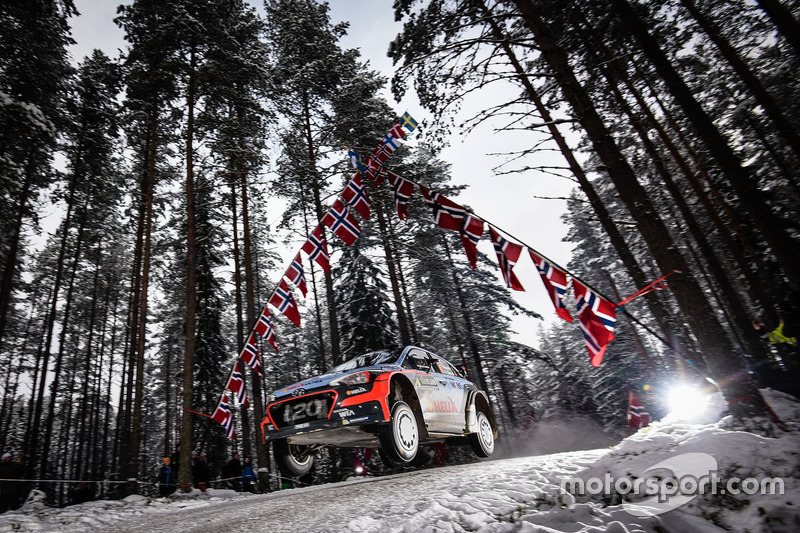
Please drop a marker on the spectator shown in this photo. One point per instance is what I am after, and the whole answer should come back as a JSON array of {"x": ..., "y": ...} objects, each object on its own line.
[
  {"x": 175, "y": 460},
  {"x": 232, "y": 473},
  {"x": 199, "y": 471},
  {"x": 167, "y": 478},
  {"x": 81, "y": 493},
  {"x": 248, "y": 476},
  {"x": 10, "y": 490}
]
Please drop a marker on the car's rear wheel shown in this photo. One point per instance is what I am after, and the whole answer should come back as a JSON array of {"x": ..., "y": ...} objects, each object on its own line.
[
  {"x": 293, "y": 460},
  {"x": 482, "y": 441},
  {"x": 400, "y": 437}
]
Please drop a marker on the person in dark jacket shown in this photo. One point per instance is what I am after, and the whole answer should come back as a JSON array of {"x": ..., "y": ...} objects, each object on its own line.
[
  {"x": 232, "y": 473},
  {"x": 10, "y": 490},
  {"x": 199, "y": 471},
  {"x": 167, "y": 478},
  {"x": 175, "y": 460},
  {"x": 248, "y": 476}
]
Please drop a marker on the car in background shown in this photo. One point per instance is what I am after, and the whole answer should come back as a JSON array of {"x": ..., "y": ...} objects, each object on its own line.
[{"x": 392, "y": 400}]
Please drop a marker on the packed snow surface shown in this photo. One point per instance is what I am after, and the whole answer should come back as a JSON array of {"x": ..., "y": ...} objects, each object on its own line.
[{"x": 528, "y": 494}]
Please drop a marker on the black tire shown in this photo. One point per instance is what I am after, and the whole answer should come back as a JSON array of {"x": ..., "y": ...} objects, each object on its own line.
[
  {"x": 482, "y": 442},
  {"x": 387, "y": 461},
  {"x": 400, "y": 437},
  {"x": 424, "y": 456},
  {"x": 293, "y": 460}
]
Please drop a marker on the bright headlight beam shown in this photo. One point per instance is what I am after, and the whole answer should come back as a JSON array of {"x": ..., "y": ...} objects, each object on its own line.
[{"x": 686, "y": 401}]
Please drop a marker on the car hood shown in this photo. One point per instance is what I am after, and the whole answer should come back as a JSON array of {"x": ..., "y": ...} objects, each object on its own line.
[{"x": 324, "y": 380}]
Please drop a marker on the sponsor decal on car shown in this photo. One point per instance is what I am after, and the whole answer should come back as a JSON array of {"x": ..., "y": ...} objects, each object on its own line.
[
  {"x": 344, "y": 412},
  {"x": 441, "y": 406},
  {"x": 425, "y": 381},
  {"x": 358, "y": 390}
]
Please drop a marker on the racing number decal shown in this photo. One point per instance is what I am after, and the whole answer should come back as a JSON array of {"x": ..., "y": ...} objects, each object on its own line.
[{"x": 315, "y": 408}]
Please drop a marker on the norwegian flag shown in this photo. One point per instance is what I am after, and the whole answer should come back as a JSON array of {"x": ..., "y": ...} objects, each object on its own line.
[
  {"x": 296, "y": 275},
  {"x": 250, "y": 355},
  {"x": 236, "y": 385},
  {"x": 471, "y": 232},
  {"x": 317, "y": 249},
  {"x": 402, "y": 189},
  {"x": 507, "y": 256},
  {"x": 356, "y": 196},
  {"x": 223, "y": 415},
  {"x": 446, "y": 213},
  {"x": 555, "y": 281},
  {"x": 597, "y": 318},
  {"x": 407, "y": 122},
  {"x": 450, "y": 215},
  {"x": 397, "y": 131},
  {"x": 342, "y": 223},
  {"x": 372, "y": 168},
  {"x": 386, "y": 148},
  {"x": 264, "y": 323},
  {"x": 638, "y": 417},
  {"x": 283, "y": 301}
]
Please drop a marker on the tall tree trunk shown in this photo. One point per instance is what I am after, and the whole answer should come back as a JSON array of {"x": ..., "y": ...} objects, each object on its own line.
[
  {"x": 190, "y": 324},
  {"x": 238, "y": 296},
  {"x": 10, "y": 268},
  {"x": 262, "y": 453},
  {"x": 138, "y": 338},
  {"x": 336, "y": 349},
  {"x": 62, "y": 341},
  {"x": 402, "y": 321},
  {"x": 714, "y": 343}
]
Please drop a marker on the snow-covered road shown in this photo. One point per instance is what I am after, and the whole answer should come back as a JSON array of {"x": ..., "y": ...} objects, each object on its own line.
[{"x": 457, "y": 498}]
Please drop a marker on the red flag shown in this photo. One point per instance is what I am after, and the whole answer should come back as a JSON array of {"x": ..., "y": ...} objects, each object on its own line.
[
  {"x": 597, "y": 320},
  {"x": 342, "y": 223},
  {"x": 450, "y": 215},
  {"x": 223, "y": 415},
  {"x": 637, "y": 416},
  {"x": 283, "y": 301},
  {"x": 356, "y": 196},
  {"x": 265, "y": 329},
  {"x": 507, "y": 256},
  {"x": 402, "y": 189},
  {"x": 555, "y": 281},
  {"x": 250, "y": 355},
  {"x": 296, "y": 275},
  {"x": 397, "y": 131},
  {"x": 236, "y": 385},
  {"x": 317, "y": 249}
]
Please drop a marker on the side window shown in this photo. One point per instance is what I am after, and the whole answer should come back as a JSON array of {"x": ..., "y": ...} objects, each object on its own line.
[
  {"x": 443, "y": 367},
  {"x": 418, "y": 360}
]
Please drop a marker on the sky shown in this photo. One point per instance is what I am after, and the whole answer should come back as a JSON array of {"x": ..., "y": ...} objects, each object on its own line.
[
  {"x": 508, "y": 202},
  {"x": 519, "y": 492}
]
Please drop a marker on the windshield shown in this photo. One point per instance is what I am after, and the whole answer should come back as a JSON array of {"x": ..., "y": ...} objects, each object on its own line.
[{"x": 368, "y": 359}]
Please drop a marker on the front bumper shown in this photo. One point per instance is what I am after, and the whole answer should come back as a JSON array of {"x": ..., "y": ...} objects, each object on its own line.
[{"x": 338, "y": 431}]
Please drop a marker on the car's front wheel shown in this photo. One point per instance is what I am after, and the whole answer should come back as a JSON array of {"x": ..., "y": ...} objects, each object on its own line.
[
  {"x": 400, "y": 437},
  {"x": 482, "y": 442},
  {"x": 293, "y": 460}
]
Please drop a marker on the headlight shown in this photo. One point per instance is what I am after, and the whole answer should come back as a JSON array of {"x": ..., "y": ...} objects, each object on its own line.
[
  {"x": 271, "y": 398},
  {"x": 357, "y": 378}
]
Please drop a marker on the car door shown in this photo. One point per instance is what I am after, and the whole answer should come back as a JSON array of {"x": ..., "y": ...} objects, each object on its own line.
[
  {"x": 432, "y": 397},
  {"x": 453, "y": 391}
]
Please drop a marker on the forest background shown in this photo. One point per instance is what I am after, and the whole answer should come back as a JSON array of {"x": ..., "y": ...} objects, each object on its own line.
[{"x": 183, "y": 172}]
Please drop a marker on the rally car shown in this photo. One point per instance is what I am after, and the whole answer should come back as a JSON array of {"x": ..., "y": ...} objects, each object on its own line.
[{"x": 393, "y": 400}]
